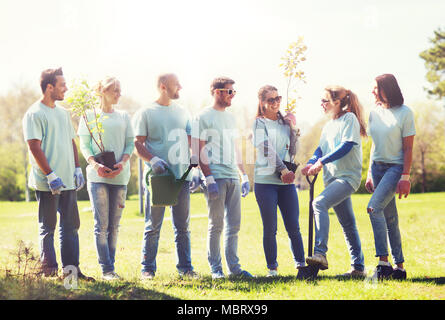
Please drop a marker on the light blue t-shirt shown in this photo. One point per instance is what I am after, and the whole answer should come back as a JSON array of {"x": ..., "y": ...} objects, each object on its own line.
[
  {"x": 349, "y": 167},
  {"x": 53, "y": 127},
  {"x": 387, "y": 128},
  {"x": 219, "y": 129},
  {"x": 277, "y": 134},
  {"x": 117, "y": 137},
  {"x": 167, "y": 129}
]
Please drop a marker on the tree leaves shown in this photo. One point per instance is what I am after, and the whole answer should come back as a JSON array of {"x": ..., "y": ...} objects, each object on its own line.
[{"x": 295, "y": 55}]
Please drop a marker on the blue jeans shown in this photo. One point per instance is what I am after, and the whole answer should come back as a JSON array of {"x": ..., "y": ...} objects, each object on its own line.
[
  {"x": 383, "y": 212},
  {"x": 268, "y": 197},
  {"x": 108, "y": 202},
  {"x": 66, "y": 205},
  {"x": 224, "y": 214},
  {"x": 337, "y": 194},
  {"x": 154, "y": 217}
]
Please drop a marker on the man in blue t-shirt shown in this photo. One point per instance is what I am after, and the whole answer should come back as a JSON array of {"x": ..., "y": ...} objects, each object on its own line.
[
  {"x": 162, "y": 134},
  {"x": 55, "y": 175},
  {"x": 215, "y": 132}
]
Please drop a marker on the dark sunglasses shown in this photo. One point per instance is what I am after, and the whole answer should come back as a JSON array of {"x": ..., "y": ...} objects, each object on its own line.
[
  {"x": 277, "y": 99},
  {"x": 323, "y": 101},
  {"x": 229, "y": 91}
]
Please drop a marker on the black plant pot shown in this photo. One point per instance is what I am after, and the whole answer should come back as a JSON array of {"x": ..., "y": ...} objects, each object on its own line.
[{"x": 107, "y": 158}]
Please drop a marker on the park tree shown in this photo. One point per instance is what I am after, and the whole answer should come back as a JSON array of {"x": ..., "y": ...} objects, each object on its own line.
[
  {"x": 429, "y": 147},
  {"x": 435, "y": 64},
  {"x": 14, "y": 171}
]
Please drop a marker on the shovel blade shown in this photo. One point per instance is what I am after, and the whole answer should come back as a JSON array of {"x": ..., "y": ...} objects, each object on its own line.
[{"x": 308, "y": 273}]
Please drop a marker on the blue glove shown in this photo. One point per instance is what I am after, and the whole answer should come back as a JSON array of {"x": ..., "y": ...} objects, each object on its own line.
[
  {"x": 212, "y": 188},
  {"x": 79, "y": 179},
  {"x": 55, "y": 183},
  {"x": 158, "y": 165},
  {"x": 245, "y": 186},
  {"x": 195, "y": 183}
]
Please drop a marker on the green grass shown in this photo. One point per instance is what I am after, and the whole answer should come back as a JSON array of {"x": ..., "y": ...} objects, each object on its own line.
[{"x": 421, "y": 221}]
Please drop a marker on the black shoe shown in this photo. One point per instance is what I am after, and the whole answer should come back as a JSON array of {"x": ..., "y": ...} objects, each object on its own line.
[
  {"x": 81, "y": 276},
  {"x": 383, "y": 272},
  {"x": 398, "y": 274}
]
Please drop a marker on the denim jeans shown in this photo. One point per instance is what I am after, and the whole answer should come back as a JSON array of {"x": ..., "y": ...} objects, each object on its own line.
[
  {"x": 383, "y": 212},
  {"x": 66, "y": 205},
  {"x": 108, "y": 202},
  {"x": 337, "y": 194},
  {"x": 224, "y": 214},
  {"x": 154, "y": 217},
  {"x": 268, "y": 197}
]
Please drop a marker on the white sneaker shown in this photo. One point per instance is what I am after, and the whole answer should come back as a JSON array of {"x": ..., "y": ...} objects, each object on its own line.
[
  {"x": 272, "y": 273},
  {"x": 110, "y": 276},
  {"x": 218, "y": 275},
  {"x": 318, "y": 260}
]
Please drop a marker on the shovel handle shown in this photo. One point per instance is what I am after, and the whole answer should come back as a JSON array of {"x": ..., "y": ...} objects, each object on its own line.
[{"x": 311, "y": 182}]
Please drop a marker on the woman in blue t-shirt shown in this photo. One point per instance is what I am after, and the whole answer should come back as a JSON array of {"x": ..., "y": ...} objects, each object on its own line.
[
  {"x": 107, "y": 186},
  {"x": 391, "y": 127},
  {"x": 274, "y": 182},
  {"x": 340, "y": 155}
]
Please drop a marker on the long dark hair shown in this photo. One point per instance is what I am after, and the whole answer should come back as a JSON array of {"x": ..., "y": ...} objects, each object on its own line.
[
  {"x": 388, "y": 84},
  {"x": 261, "y": 97}
]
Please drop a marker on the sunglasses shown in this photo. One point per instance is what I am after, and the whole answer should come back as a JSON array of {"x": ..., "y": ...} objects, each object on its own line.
[
  {"x": 323, "y": 101},
  {"x": 229, "y": 91},
  {"x": 277, "y": 99}
]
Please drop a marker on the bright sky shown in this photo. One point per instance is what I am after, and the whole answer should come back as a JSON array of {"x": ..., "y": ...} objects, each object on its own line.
[{"x": 349, "y": 43}]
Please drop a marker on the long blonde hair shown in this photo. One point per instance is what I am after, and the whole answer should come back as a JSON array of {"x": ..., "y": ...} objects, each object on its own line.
[{"x": 348, "y": 103}]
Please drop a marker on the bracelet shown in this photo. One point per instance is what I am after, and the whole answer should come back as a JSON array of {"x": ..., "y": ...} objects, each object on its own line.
[{"x": 404, "y": 177}]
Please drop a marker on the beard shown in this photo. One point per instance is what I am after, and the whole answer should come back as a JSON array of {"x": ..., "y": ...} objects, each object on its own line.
[{"x": 57, "y": 96}]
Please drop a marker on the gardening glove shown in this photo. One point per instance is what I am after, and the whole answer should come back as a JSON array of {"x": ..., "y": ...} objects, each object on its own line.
[
  {"x": 78, "y": 178},
  {"x": 194, "y": 161},
  {"x": 196, "y": 181},
  {"x": 245, "y": 186},
  {"x": 55, "y": 183},
  {"x": 212, "y": 188},
  {"x": 158, "y": 165}
]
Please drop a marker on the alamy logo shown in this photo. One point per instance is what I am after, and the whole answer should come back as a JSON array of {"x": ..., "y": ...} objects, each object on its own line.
[{"x": 71, "y": 277}]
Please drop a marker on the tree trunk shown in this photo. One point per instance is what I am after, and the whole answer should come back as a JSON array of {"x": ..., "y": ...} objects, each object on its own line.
[{"x": 422, "y": 155}]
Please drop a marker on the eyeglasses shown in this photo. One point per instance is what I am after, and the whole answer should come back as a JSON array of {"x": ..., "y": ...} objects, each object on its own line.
[
  {"x": 229, "y": 91},
  {"x": 277, "y": 99},
  {"x": 323, "y": 101}
]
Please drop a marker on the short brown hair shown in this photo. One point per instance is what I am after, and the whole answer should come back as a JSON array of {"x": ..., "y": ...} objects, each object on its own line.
[
  {"x": 48, "y": 76},
  {"x": 388, "y": 84},
  {"x": 220, "y": 83}
]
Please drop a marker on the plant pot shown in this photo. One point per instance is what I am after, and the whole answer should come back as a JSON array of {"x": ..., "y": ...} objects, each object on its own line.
[{"x": 107, "y": 158}]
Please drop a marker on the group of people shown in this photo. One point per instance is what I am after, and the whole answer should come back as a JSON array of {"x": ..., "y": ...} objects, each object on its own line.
[{"x": 167, "y": 138}]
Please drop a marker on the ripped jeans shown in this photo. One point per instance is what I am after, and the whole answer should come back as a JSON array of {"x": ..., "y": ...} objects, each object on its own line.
[
  {"x": 108, "y": 202},
  {"x": 383, "y": 212}
]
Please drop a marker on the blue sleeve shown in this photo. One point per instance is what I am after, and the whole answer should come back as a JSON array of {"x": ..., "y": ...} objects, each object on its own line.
[
  {"x": 317, "y": 154},
  {"x": 338, "y": 153}
]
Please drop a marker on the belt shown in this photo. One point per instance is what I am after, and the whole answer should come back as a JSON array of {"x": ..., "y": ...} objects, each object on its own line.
[{"x": 386, "y": 164}]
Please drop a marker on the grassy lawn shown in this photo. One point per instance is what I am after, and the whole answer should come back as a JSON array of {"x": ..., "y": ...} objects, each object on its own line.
[{"x": 423, "y": 234}]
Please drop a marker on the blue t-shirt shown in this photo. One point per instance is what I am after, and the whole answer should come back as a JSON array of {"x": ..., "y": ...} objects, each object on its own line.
[
  {"x": 117, "y": 136},
  {"x": 219, "y": 130},
  {"x": 387, "y": 128},
  {"x": 277, "y": 134},
  {"x": 167, "y": 129},
  {"x": 53, "y": 127},
  {"x": 349, "y": 167}
]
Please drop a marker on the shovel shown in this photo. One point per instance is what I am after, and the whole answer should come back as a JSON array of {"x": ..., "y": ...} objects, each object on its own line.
[{"x": 309, "y": 272}]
